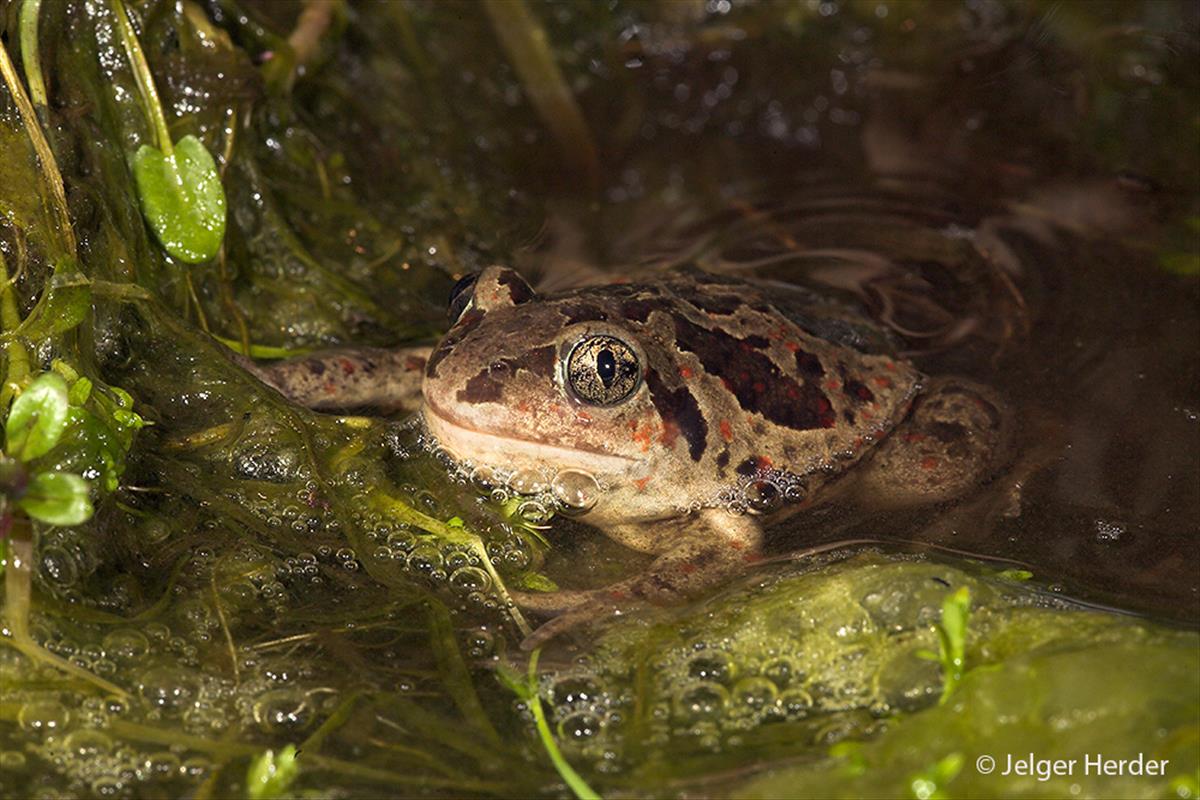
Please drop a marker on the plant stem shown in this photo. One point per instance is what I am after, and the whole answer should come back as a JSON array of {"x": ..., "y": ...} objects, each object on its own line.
[
  {"x": 41, "y": 148},
  {"x": 30, "y": 10},
  {"x": 311, "y": 25},
  {"x": 573, "y": 779},
  {"x": 10, "y": 319},
  {"x": 18, "y": 593},
  {"x": 524, "y": 41},
  {"x": 145, "y": 79}
]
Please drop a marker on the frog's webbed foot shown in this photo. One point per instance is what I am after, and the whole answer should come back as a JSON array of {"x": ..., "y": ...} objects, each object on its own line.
[
  {"x": 348, "y": 378},
  {"x": 955, "y": 438},
  {"x": 718, "y": 546}
]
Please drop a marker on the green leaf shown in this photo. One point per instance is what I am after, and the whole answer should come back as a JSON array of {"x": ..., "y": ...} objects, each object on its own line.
[
  {"x": 182, "y": 198},
  {"x": 536, "y": 582},
  {"x": 57, "y": 498},
  {"x": 952, "y": 639},
  {"x": 80, "y": 391},
  {"x": 63, "y": 305},
  {"x": 270, "y": 775},
  {"x": 37, "y": 418},
  {"x": 1015, "y": 575}
]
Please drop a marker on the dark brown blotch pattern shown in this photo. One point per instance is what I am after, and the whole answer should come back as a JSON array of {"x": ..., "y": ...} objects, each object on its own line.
[
  {"x": 758, "y": 384},
  {"x": 679, "y": 411}
]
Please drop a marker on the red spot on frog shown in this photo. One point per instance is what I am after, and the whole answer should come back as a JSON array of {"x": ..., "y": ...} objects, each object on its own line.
[
  {"x": 833, "y": 385},
  {"x": 882, "y": 381},
  {"x": 670, "y": 432},
  {"x": 640, "y": 483},
  {"x": 929, "y": 462},
  {"x": 685, "y": 372},
  {"x": 726, "y": 430}
]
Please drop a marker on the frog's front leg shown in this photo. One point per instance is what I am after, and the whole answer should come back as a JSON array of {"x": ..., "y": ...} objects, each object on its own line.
[
  {"x": 348, "y": 378},
  {"x": 716, "y": 545}
]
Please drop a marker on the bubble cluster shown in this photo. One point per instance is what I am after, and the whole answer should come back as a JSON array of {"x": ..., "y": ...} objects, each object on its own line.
[
  {"x": 538, "y": 494},
  {"x": 582, "y": 712}
]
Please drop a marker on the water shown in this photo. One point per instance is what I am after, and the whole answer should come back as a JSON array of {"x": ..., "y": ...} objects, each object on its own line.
[{"x": 1008, "y": 186}]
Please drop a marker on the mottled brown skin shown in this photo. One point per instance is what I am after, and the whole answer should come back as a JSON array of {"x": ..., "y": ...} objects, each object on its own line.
[{"x": 741, "y": 383}]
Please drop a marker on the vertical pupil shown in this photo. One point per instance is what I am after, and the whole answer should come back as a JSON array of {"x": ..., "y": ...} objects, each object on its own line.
[{"x": 606, "y": 367}]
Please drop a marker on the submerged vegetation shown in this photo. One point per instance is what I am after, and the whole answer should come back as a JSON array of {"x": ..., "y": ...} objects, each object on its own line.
[{"x": 211, "y": 592}]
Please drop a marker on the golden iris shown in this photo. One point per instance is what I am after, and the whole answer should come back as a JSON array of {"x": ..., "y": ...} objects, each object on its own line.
[{"x": 602, "y": 370}]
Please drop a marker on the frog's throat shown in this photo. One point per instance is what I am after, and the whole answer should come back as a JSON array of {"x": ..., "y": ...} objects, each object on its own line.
[{"x": 466, "y": 443}]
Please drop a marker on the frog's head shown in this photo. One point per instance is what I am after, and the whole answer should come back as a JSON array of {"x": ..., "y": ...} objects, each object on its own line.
[{"x": 545, "y": 384}]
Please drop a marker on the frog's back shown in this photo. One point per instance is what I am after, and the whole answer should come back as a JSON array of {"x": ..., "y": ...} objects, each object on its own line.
[{"x": 756, "y": 381}]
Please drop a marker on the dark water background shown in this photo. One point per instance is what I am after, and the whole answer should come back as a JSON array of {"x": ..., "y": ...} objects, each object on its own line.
[{"x": 774, "y": 156}]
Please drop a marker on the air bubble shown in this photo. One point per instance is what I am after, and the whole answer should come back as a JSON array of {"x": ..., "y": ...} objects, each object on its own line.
[
  {"x": 166, "y": 688},
  {"x": 527, "y": 481},
  {"x": 779, "y": 671},
  {"x": 579, "y": 726},
  {"x": 126, "y": 644},
  {"x": 534, "y": 512},
  {"x": 575, "y": 489},
  {"x": 108, "y": 786},
  {"x": 762, "y": 497},
  {"x": 425, "y": 558},
  {"x": 470, "y": 579},
  {"x": 712, "y": 666},
  {"x": 59, "y": 566},
  {"x": 754, "y": 694},
  {"x": 88, "y": 744},
  {"x": 795, "y": 702},
  {"x": 702, "y": 700},
  {"x": 573, "y": 690},
  {"x": 480, "y": 643},
  {"x": 42, "y": 717},
  {"x": 283, "y": 711}
]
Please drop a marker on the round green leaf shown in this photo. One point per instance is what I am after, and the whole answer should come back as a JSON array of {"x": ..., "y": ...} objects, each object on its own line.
[
  {"x": 182, "y": 198},
  {"x": 37, "y": 418},
  {"x": 57, "y": 498}
]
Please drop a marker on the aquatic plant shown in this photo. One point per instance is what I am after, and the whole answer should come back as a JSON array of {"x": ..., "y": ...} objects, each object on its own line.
[{"x": 256, "y": 577}]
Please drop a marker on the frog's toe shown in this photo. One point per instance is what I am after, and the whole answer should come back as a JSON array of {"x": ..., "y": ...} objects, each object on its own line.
[
  {"x": 580, "y": 615},
  {"x": 551, "y": 602}
]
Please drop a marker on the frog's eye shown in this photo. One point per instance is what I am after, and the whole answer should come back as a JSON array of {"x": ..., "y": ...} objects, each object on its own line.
[
  {"x": 603, "y": 370},
  {"x": 460, "y": 296}
]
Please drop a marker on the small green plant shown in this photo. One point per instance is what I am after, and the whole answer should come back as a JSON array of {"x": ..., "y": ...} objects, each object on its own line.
[
  {"x": 271, "y": 774},
  {"x": 35, "y": 425},
  {"x": 952, "y": 640},
  {"x": 526, "y": 688},
  {"x": 930, "y": 783},
  {"x": 178, "y": 183}
]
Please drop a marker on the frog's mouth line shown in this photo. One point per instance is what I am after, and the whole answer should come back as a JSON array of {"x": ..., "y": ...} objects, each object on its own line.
[{"x": 492, "y": 449}]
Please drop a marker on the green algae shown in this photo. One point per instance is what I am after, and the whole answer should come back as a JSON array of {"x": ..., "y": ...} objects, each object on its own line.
[
  {"x": 258, "y": 575},
  {"x": 826, "y": 664}
]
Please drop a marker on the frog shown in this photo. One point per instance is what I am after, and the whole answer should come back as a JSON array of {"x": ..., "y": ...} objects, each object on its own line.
[{"x": 678, "y": 414}]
